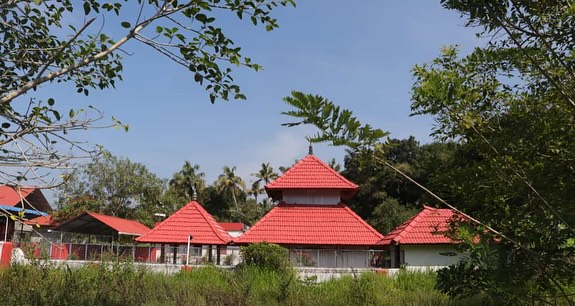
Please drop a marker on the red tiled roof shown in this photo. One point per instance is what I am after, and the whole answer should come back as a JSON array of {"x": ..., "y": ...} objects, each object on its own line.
[
  {"x": 232, "y": 226},
  {"x": 123, "y": 226},
  {"x": 311, "y": 173},
  {"x": 191, "y": 219},
  {"x": 34, "y": 198},
  {"x": 9, "y": 196},
  {"x": 94, "y": 223},
  {"x": 42, "y": 221},
  {"x": 333, "y": 225},
  {"x": 423, "y": 228}
]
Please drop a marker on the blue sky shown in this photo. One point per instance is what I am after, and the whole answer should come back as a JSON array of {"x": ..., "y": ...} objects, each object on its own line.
[{"x": 358, "y": 56}]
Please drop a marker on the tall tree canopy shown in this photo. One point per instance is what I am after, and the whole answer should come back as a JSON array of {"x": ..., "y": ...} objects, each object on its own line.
[
  {"x": 231, "y": 185},
  {"x": 114, "y": 186},
  {"x": 265, "y": 175},
  {"x": 188, "y": 182}
]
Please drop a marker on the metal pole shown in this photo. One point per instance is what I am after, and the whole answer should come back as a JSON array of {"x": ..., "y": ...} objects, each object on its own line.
[
  {"x": 188, "y": 250},
  {"x": 6, "y": 230}
]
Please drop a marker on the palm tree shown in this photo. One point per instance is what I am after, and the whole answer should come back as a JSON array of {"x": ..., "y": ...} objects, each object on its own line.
[
  {"x": 265, "y": 175},
  {"x": 255, "y": 190},
  {"x": 334, "y": 165},
  {"x": 188, "y": 180},
  {"x": 230, "y": 182}
]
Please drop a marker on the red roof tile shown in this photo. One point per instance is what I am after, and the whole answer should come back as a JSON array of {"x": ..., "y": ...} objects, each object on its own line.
[
  {"x": 94, "y": 223},
  {"x": 423, "y": 228},
  {"x": 232, "y": 226},
  {"x": 123, "y": 226},
  {"x": 333, "y": 225},
  {"x": 9, "y": 196},
  {"x": 311, "y": 173},
  {"x": 34, "y": 199},
  {"x": 191, "y": 219},
  {"x": 42, "y": 221}
]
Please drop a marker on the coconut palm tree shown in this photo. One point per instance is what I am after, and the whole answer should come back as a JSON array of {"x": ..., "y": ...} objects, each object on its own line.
[
  {"x": 229, "y": 182},
  {"x": 188, "y": 180},
  {"x": 265, "y": 175},
  {"x": 334, "y": 165}
]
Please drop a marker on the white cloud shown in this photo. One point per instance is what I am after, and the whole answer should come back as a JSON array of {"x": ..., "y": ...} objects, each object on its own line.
[{"x": 281, "y": 150}]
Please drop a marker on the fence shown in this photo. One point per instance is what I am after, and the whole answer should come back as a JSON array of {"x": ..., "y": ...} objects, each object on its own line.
[
  {"x": 332, "y": 258},
  {"x": 230, "y": 255},
  {"x": 135, "y": 253}
]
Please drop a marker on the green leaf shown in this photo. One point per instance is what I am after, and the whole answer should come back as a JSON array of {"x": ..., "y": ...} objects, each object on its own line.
[
  {"x": 51, "y": 102},
  {"x": 87, "y": 8},
  {"x": 126, "y": 24},
  {"x": 201, "y": 18}
]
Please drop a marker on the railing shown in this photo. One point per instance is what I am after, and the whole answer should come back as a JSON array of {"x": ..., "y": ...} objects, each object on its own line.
[
  {"x": 135, "y": 253},
  {"x": 230, "y": 255},
  {"x": 332, "y": 258}
]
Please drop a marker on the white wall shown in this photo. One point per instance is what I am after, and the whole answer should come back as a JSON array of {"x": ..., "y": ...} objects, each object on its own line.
[
  {"x": 235, "y": 234},
  {"x": 300, "y": 196},
  {"x": 429, "y": 256}
]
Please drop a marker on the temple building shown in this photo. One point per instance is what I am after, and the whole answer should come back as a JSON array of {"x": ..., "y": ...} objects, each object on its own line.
[{"x": 311, "y": 219}]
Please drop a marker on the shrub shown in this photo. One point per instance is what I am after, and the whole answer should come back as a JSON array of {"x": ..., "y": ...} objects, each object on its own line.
[
  {"x": 266, "y": 256},
  {"x": 229, "y": 260}
]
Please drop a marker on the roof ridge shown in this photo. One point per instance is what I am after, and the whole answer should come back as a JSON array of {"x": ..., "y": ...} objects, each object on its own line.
[
  {"x": 406, "y": 225},
  {"x": 361, "y": 220},
  {"x": 341, "y": 177},
  {"x": 162, "y": 223},
  {"x": 219, "y": 231},
  {"x": 256, "y": 224},
  {"x": 285, "y": 173}
]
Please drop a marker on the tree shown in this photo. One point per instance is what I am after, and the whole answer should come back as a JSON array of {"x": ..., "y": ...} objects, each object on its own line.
[
  {"x": 228, "y": 182},
  {"x": 111, "y": 185},
  {"x": 265, "y": 175},
  {"x": 507, "y": 172},
  {"x": 188, "y": 181},
  {"x": 513, "y": 162},
  {"x": 334, "y": 165},
  {"x": 41, "y": 43},
  {"x": 511, "y": 104}
]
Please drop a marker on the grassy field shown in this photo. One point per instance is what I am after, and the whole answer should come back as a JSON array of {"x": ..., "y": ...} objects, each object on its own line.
[{"x": 124, "y": 284}]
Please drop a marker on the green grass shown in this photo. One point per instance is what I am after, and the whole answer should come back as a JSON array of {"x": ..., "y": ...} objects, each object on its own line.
[{"x": 124, "y": 284}]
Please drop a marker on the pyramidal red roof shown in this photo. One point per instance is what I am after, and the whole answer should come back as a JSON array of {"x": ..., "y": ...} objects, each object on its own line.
[
  {"x": 311, "y": 173},
  {"x": 423, "y": 228},
  {"x": 191, "y": 219},
  {"x": 311, "y": 225}
]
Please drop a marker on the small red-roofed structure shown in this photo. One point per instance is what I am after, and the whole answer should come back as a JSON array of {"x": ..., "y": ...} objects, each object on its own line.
[
  {"x": 191, "y": 224},
  {"x": 42, "y": 221},
  {"x": 311, "y": 220},
  {"x": 15, "y": 199},
  {"x": 421, "y": 240},
  {"x": 98, "y": 224}
]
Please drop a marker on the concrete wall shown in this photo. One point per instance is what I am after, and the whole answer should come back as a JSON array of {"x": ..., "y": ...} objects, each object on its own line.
[
  {"x": 428, "y": 257},
  {"x": 311, "y": 274}
]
